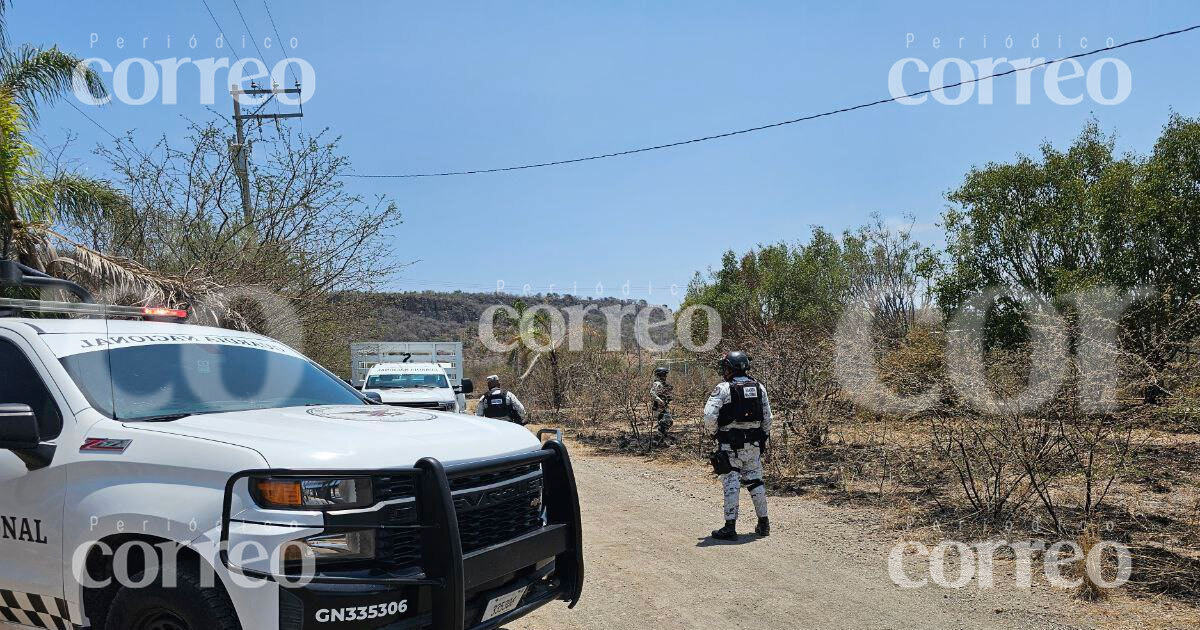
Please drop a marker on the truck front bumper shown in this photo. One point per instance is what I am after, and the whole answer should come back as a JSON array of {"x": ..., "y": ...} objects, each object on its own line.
[{"x": 453, "y": 589}]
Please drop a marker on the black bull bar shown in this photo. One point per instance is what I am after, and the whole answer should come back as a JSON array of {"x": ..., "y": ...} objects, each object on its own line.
[{"x": 447, "y": 570}]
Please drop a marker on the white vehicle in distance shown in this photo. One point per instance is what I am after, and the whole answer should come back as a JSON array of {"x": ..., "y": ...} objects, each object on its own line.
[
  {"x": 420, "y": 385},
  {"x": 448, "y": 355},
  {"x": 156, "y": 475}
]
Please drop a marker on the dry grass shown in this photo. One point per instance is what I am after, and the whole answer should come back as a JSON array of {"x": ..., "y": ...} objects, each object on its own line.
[{"x": 888, "y": 466}]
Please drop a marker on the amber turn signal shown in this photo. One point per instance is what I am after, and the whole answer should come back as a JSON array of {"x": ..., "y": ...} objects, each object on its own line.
[{"x": 275, "y": 493}]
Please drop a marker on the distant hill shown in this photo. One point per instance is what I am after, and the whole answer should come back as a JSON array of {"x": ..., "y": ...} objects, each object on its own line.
[{"x": 438, "y": 316}]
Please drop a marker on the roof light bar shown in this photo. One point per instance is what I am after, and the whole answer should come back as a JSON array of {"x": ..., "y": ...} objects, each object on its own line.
[
  {"x": 103, "y": 310},
  {"x": 173, "y": 313}
]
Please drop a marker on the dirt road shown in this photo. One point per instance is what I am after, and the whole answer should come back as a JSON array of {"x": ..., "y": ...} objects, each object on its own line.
[{"x": 651, "y": 565}]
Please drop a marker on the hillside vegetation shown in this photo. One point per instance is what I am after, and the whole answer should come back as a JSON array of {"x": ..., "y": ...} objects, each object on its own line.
[{"x": 437, "y": 316}]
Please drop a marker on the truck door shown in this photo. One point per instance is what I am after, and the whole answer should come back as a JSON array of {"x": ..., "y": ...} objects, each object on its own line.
[{"x": 31, "y": 502}]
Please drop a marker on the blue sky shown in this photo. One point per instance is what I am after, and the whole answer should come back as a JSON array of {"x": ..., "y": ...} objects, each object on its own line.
[{"x": 420, "y": 87}]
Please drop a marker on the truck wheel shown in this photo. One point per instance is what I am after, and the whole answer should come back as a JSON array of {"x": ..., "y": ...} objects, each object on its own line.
[{"x": 185, "y": 607}]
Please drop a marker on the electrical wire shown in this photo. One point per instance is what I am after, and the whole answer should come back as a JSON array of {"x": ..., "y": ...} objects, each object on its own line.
[
  {"x": 249, "y": 32},
  {"x": 119, "y": 139},
  {"x": 295, "y": 79},
  {"x": 782, "y": 123},
  {"x": 142, "y": 154},
  {"x": 254, "y": 40},
  {"x": 220, "y": 30}
]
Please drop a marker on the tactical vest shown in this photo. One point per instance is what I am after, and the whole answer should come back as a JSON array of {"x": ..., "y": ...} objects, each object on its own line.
[
  {"x": 495, "y": 404},
  {"x": 744, "y": 409}
]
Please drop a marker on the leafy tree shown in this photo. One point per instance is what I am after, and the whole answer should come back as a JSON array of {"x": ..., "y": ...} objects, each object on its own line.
[
  {"x": 1050, "y": 226},
  {"x": 772, "y": 284},
  {"x": 1084, "y": 218},
  {"x": 806, "y": 286}
]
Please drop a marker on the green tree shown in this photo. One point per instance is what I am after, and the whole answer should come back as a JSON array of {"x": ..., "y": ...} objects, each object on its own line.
[
  {"x": 806, "y": 286},
  {"x": 773, "y": 284},
  {"x": 1083, "y": 218},
  {"x": 33, "y": 197},
  {"x": 1050, "y": 226}
]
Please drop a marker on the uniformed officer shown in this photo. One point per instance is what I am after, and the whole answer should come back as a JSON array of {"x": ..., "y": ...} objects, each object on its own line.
[
  {"x": 738, "y": 414},
  {"x": 660, "y": 400},
  {"x": 500, "y": 403}
]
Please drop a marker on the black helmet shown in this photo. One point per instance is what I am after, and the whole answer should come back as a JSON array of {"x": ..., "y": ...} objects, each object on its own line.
[
  {"x": 662, "y": 370},
  {"x": 737, "y": 361}
]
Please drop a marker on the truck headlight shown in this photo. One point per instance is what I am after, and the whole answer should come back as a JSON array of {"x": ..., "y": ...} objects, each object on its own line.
[
  {"x": 331, "y": 548},
  {"x": 311, "y": 494}
]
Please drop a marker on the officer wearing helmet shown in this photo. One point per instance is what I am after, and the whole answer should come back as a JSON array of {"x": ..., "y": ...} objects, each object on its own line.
[
  {"x": 660, "y": 399},
  {"x": 738, "y": 414},
  {"x": 500, "y": 403}
]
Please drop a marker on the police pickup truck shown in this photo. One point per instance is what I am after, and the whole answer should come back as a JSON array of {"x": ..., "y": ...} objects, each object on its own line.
[{"x": 156, "y": 475}]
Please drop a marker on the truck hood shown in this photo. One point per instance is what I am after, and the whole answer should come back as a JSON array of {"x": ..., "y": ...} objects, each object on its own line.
[{"x": 354, "y": 437}]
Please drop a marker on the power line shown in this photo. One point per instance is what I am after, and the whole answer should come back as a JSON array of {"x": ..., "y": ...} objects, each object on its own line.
[
  {"x": 93, "y": 120},
  {"x": 261, "y": 56},
  {"x": 143, "y": 155},
  {"x": 279, "y": 39},
  {"x": 249, "y": 32},
  {"x": 119, "y": 139},
  {"x": 220, "y": 30},
  {"x": 775, "y": 124}
]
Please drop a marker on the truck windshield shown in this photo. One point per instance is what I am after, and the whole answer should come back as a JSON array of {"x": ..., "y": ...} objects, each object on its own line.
[
  {"x": 158, "y": 381},
  {"x": 406, "y": 381}
]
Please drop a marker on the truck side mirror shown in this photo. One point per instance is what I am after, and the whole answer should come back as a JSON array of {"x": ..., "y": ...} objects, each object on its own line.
[
  {"x": 467, "y": 386},
  {"x": 18, "y": 427},
  {"x": 19, "y": 433},
  {"x": 373, "y": 397}
]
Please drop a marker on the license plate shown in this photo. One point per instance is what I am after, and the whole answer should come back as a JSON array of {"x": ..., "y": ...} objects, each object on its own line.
[{"x": 503, "y": 604}]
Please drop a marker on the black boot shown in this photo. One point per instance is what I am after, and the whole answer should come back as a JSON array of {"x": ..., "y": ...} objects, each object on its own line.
[
  {"x": 764, "y": 527},
  {"x": 729, "y": 532}
]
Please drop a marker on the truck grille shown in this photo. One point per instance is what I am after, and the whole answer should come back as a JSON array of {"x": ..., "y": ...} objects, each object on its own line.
[
  {"x": 492, "y": 508},
  {"x": 417, "y": 404},
  {"x": 499, "y": 512}
]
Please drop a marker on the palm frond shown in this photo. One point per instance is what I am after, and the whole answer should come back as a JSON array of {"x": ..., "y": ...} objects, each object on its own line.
[
  {"x": 123, "y": 281},
  {"x": 4, "y": 24},
  {"x": 33, "y": 76},
  {"x": 69, "y": 195}
]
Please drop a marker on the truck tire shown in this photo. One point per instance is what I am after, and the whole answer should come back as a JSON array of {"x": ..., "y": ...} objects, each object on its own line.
[{"x": 185, "y": 607}]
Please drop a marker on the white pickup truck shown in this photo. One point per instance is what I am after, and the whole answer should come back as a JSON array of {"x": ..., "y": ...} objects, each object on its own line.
[
  {"x": 419, "y": 385},
  {"x": 164, "y": 476},
  {"x": 367, "y": 356}
]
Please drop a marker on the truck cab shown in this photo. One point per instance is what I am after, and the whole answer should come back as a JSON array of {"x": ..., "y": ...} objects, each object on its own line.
[
  {"x": 158, "y": 474},
  {"x": 417, "y": 385}
]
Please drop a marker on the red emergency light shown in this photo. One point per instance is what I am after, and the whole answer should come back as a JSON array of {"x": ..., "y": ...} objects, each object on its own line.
[{"x": 172, "y": 313}]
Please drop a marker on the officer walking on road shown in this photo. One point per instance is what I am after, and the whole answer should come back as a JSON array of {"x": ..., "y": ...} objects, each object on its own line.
[
  {"x": 738, "y": 414},
  {"x": 500, "y": 403},
  {"x": 660, "y": 400}
]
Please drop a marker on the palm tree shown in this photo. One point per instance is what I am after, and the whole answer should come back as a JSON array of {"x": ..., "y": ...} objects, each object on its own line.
[
  {"x": 534, "y": 329},
  {"x": 32, "y": 200}
]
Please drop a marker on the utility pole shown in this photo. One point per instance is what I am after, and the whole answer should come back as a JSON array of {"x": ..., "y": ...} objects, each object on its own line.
[{"x": 239, "y": 150}]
